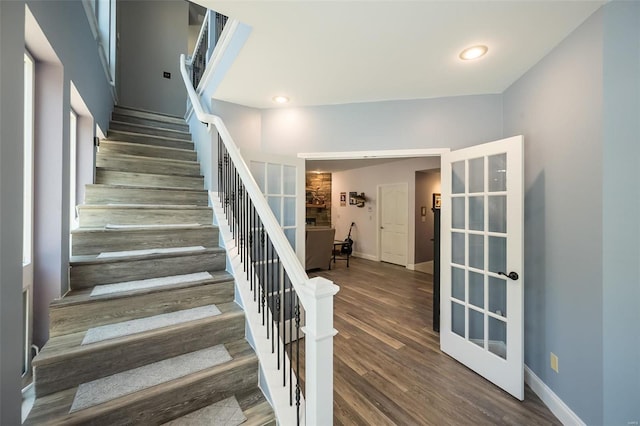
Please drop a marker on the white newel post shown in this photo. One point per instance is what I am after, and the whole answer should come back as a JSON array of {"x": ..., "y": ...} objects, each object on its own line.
[{"x": 319, "y": 332}]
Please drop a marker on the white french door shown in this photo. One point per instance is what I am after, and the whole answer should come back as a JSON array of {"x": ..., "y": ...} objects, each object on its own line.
[
  {"x": 280, "y": 179},
  {"x": 482, "y": 296},
  {"x": 394, "y": 208}
]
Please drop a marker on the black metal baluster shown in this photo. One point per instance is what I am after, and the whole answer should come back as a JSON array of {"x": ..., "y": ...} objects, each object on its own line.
[
  {"x": 290, "y": 348},
  {"x": 263, "y": 265},
  {"x": 268, "y": 281},
  {"x": 297, "y": 316},
  {"x": 277, "y": 308}
]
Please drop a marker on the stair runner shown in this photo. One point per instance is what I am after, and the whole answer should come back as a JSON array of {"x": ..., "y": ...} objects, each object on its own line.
[{"x": 149, "y": 332}]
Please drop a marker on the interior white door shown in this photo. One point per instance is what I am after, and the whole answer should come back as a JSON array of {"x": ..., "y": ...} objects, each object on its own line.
[
  {"x": 394, "y": 207},
  {"x": 482, "y": 293}
]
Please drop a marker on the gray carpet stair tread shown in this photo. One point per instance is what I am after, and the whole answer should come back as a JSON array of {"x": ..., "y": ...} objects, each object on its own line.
[
  {"x": 66, "y": 345},
  {"x": 140, "y": 325},
  {"x": 75, "y": 297},
  {"x": 226, "y": 412},
  {"x": 54, "y": 408},
  {"x": 94, "y": 259}
]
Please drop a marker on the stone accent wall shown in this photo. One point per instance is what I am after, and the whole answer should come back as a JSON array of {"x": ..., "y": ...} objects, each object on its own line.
[{"x": 318, "y": 198}]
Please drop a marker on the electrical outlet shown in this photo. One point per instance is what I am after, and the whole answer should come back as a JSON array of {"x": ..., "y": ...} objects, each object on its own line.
[{"x": 554, "y": 362}]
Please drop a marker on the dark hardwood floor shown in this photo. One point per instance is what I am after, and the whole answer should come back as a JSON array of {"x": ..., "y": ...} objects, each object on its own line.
[{"x": 388, "y": 367}]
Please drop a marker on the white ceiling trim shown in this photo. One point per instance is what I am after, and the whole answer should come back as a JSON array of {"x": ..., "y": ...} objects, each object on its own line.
[{"x": 357, "y": 155}]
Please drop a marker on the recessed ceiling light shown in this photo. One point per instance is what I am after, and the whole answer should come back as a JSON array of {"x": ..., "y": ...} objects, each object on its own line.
[
  {"x": 473, "y": 52},
  {"x": 280, "y": 99}
]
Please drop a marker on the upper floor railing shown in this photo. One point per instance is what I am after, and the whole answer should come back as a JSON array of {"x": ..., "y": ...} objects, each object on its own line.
[
  {"x": 290, "y": 306},
  {"x": 208, "y": 37}
]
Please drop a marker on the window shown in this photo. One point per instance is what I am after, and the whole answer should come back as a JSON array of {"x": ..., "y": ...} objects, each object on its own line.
[
  {"x": 27, "y": 227},
  {"x": 102, "y": 20},
  {"x": 278, "y": 184},
  {"x": 73, "y": 159}
]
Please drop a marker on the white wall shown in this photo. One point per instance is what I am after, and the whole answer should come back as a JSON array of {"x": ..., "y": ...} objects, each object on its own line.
[
  {"x": 153, "y": 34},
  {"x": 367, "y": 180}
]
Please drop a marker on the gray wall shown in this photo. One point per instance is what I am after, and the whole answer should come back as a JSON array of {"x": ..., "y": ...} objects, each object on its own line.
[
  {"x": 11, "y": 157},
  {"x": 427, "y": 183},
  {"x": 423, "y": 123},
  {"x": 557, "y": 106},
  {"x": 621, "y": 213},
  {"x": 66, "y": 27},
  {"x": 153, "y": 34}
]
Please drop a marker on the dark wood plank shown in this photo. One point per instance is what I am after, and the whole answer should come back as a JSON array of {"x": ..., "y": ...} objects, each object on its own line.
[{"x": 388, "y": 367}]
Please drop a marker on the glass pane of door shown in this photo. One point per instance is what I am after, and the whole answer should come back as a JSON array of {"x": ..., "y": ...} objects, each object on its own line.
[{"x": 480, "y": 248}]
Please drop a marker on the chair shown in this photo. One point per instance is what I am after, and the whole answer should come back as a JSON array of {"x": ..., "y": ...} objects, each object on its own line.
[{"x": 318, "y": 247}]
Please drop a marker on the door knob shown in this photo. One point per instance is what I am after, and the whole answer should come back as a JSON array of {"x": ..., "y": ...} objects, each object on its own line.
[{"x": 512, "y": 275}]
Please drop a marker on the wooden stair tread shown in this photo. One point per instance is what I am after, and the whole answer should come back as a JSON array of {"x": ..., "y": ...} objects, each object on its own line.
[
  {"x": 134, "y": 145},
  {"x": 176, "y": 227},
  {"x": 68, "y": 345},
  {"x": 145, "y": 127},
  {"x": 149, "y": 188},
  {"x": 143, "y": 135},
  {"x": 142, "y": 207},
  {"x": 100, "y": 229},
  {"x": 74, "y": 297},
  {"x": 150, "y": 159},
  {"x": 54, "y": 409},
  {"x": 256, "y": 408},
  {"x": 127, "y": 110},
  {"x": 93, "y": 259},
  {"x": 153, "y": 180}
]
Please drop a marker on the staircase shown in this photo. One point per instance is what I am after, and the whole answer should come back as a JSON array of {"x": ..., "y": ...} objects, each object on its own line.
[{"x": 149, "y": 332}]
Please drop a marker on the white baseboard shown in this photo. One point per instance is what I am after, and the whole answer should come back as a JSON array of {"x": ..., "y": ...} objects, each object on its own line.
[
  {"x": 551, "y": 400},
  {"x": 426, "y": 267},
  {"x": 365, "y": 256}
]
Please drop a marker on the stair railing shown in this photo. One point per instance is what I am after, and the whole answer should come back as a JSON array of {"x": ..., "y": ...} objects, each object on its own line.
[
  {"x": 208, "y": 37},
  {"x": 284, "y": 295}
]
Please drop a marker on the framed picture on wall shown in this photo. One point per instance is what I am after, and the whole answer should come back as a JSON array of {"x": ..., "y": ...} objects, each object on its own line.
[
  {"x": 436, "y": 200},
  {"x": 343, "y": 199},
  {"x": 352, "y": 198}
]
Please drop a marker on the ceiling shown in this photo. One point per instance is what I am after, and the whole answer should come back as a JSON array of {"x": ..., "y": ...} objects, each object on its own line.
[{"x": 335, "y": 52}]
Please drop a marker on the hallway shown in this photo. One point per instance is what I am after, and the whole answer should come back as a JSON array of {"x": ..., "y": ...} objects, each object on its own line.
[{"x": 388, "y": 365}]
